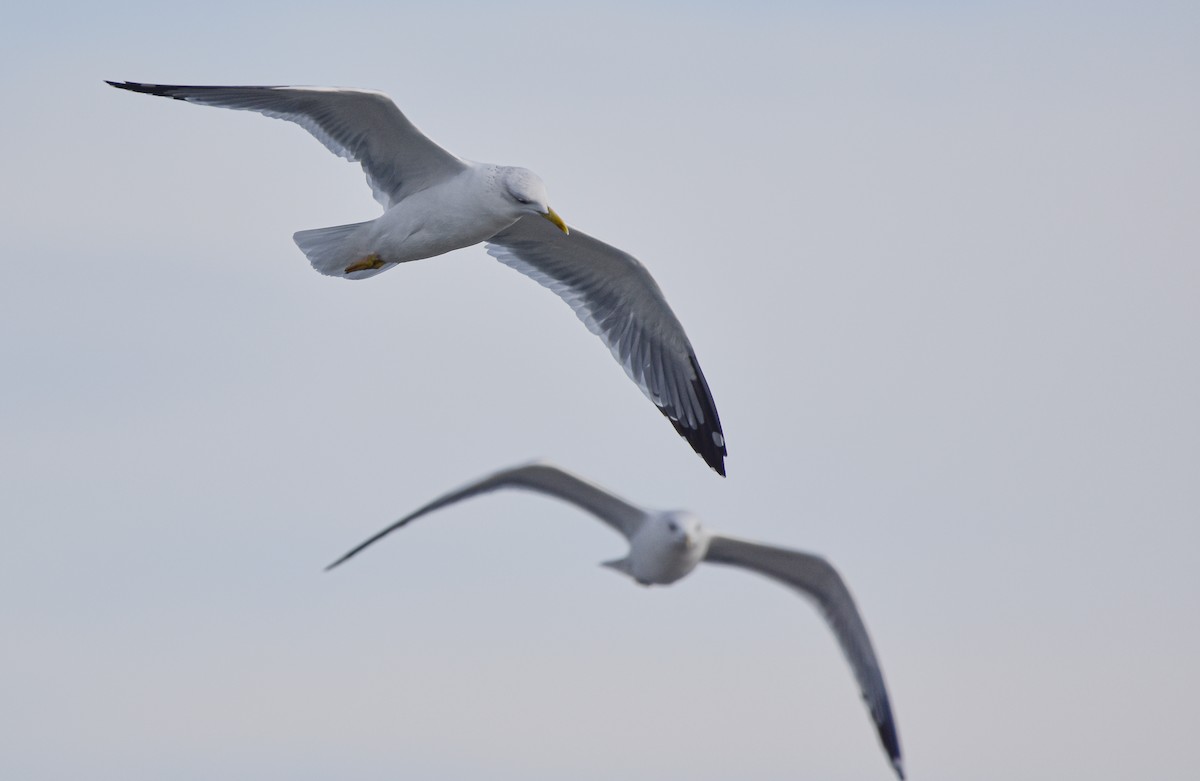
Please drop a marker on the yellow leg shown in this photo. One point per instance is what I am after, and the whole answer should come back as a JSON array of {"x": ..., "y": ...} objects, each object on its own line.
[{"x": 371, "y": 262}]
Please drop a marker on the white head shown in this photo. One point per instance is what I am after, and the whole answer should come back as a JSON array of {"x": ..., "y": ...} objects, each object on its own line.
[
  {"x": 526, "y": 191},
  {"x": 682, "y": 530},
  {"x": 668, "y": 546}
]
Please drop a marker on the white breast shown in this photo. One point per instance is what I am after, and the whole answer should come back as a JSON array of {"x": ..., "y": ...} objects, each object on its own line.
[
  {"x": 658, "y": 555},
  {"x": 455, "y": 213}
]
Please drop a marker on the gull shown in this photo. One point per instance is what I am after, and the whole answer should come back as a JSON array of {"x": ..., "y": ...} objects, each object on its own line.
[
  {"x": 435, "y": 202},
  {"x": 664, "y": 546}
]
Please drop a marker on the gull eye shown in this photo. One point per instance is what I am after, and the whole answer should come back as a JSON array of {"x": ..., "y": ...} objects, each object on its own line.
[
  {"x": 671, "y": 525},
  {"x": 521, "y": 200}
]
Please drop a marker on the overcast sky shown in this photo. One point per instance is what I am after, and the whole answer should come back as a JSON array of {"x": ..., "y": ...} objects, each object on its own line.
[{"x": 941, "y": 267}]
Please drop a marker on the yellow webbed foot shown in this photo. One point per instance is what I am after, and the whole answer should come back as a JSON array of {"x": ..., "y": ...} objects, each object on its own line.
[{"x": 371, "y": 262}]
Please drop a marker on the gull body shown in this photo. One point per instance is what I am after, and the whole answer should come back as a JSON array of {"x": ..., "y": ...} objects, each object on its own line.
[
  {"x": 468, "y": 208},
  {"x": 434, "y": 202},
  {"x": 665, "y": 546}
]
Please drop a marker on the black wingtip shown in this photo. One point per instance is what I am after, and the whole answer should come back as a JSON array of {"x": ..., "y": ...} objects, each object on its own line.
[
  {"x": 163, "y": 90},
  {"x": 708, "y": 440},
  {"x": 702, "y": 442},
  {"x": 341, "y": 560},
  {"x": 891, "y": 744}
]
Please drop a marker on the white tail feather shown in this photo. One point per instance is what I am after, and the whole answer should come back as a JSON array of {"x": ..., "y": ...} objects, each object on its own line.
[
  {"x": 332, "y": 250},
  {"x": 620, "y": 565}
]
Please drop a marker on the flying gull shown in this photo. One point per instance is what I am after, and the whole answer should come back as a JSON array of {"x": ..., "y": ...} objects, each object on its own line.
[
  {"x": 664, "y": 546},
  {"x": 435, "y": 202}
]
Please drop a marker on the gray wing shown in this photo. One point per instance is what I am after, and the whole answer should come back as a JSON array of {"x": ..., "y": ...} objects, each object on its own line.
[
  {"x": 816, "y": 579},
  {"x": 359, "y": 125},
  {"x": 545, "y": 478},
  {"x": 618, "y": 300}
]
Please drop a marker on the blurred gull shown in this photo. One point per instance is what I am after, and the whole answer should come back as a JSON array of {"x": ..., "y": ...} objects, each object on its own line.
[
  {"x": 435, "y": 202},
  {"x": 664, "y": 546}
]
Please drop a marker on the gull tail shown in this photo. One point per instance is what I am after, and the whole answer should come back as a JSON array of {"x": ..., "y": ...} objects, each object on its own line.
[
  {"x": 332, "y": 250},
  {"x": 624, "y": 566},
  {"x": 620, "y": 565}
]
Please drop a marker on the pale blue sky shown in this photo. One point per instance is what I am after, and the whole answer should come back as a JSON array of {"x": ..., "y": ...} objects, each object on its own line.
[{"x": 940, "y": 266}]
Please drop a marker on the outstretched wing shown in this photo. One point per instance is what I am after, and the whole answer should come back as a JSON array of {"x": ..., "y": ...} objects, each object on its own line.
[
  {"x": 618, "y": 300},
  {"x": 816, "y": 579},
  {"x": 544, "y": 478},
  {"x": 359, "y": 125}
]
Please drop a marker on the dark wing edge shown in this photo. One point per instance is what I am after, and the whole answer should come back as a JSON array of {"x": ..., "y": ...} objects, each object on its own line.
[
  {"x": 361, "y": 126},
  {"x": 707, "y": 440},
  {"x": 605, "y": 286},
  {"x": 537, "y": 476},
  {"x": 815, "y": 578}
]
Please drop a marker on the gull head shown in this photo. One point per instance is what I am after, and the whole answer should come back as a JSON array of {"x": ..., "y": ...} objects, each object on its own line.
[
  {"x": 683, "y": 531},
  {"x": 527, "y": 193},
  {"x": 667, "y": 547}
]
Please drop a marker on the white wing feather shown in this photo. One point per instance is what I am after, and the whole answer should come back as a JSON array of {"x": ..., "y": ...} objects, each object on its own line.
[
  {"x": 617, "y": 299},
  {"x": 817, "y": 580},
  {"x": 622, "y": 516},
  {"x": 359, "y": 125}
]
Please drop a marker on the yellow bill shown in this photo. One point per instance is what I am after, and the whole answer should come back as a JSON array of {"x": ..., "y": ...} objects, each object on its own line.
[{"x": 554, "y": 218}]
